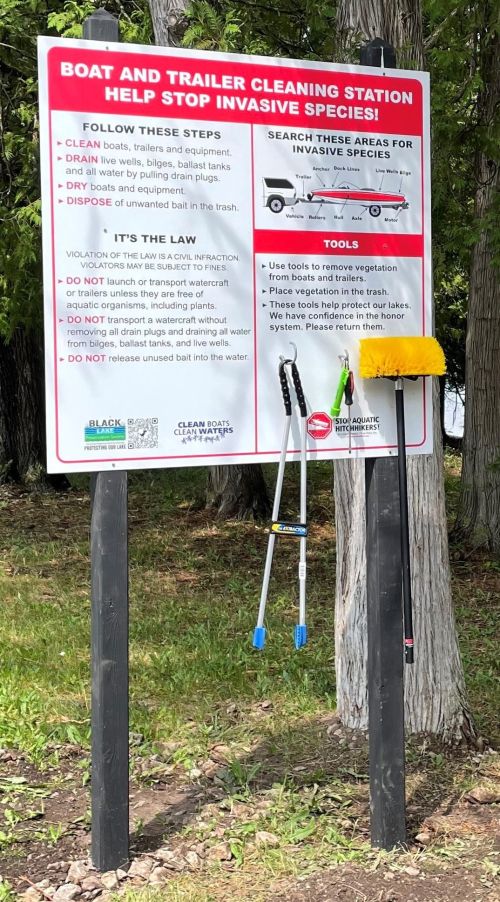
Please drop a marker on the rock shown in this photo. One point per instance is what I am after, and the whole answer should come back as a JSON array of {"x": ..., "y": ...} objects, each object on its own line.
[
  {"x": 43, "y": 884},
  {"x": 77, "y": 872},
  {"x": 159, "y": 875},
  {"x": 31, "y": 895},
  {"x": 141, "y": 867},
  {"x": 195, "y": 773},
  {"x": 66, "y": 893},
  {"x": 193, "y": 860},
  {"x": 90, "y": 883},
  {"x": 483, "y": 795},
  {"x": 58, "y": 866},
  {"x": 231, "y": 708},
  {"x": 220, "y": 852},
  {"x": 263, "y": 805},
  {"x": 167, "y": 749},
  {"x": 7, "y": 755},
  {"x": 121, "y": 874},
  {"x": 221, "y": 754},
  {"x": 266, "y": 705},
  {"x": 109, "y": 880},
  {"x": 170, "y": 859},
  {"x": 412, "y": 872},
  {"x": 423, "y": 838},
  {"x": 263, "y": 838}
]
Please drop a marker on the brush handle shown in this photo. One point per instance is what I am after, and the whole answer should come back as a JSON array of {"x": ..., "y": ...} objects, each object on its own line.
[{"x": 405, "y": 531}]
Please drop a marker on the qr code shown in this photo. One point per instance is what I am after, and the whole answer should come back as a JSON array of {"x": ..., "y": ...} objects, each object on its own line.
[{"x": 143, "y": 432}]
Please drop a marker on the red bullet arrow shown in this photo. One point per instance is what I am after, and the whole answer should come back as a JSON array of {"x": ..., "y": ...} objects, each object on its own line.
[
  {"x": 60, "y": 280},
  {"x": 60, "y": 201}
]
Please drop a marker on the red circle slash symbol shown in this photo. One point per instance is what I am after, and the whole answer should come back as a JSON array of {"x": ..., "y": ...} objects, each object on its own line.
[{"x": 319, "y": 425}]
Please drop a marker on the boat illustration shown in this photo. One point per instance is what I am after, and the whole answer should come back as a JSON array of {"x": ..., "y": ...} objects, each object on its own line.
[
  {"x": 370, "y": 198},
  {"x": 280, "y": 193}
]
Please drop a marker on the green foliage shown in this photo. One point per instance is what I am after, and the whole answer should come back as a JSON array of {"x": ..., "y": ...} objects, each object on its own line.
[
  {"x": 303, "y": 30},
  {"x": 133, "y": 16},
  {"x": 21, "y": 21},
  {"x": 210, "y": 29}
]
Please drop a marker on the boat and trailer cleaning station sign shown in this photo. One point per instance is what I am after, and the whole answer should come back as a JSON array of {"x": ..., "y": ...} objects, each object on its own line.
[{"x": 201, "y": 211}]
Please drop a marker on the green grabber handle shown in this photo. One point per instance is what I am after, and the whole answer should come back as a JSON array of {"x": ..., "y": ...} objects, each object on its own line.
[{"x": 344, "y": 376}]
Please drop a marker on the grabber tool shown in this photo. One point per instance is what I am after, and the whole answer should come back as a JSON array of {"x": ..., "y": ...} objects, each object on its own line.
[
  {"x": 343, "y": 379},
  {"x": 345, "y": 389},
  {"x": 280, "y": 527}
]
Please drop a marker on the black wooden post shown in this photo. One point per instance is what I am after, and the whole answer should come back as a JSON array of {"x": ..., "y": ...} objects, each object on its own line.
[
  {"x": 385, "y": 619},
  {"x": 109, "y": 565}
]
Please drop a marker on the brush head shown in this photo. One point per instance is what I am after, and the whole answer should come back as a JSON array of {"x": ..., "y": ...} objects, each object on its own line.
[{"x": 395, "y": 357}]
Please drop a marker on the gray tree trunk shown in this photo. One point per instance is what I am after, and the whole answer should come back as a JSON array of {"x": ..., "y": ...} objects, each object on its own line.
[
  {"x": 478, "y": 518},
  {"x": 239, "y": 490},
  {"x": 435, "y": 698},
  {"x": 169, "y": 23}
]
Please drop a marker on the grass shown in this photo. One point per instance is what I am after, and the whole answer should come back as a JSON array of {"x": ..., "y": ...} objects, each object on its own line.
[
  {"x": 194, "y": 586},
  {"x": 196, "y": 681}
]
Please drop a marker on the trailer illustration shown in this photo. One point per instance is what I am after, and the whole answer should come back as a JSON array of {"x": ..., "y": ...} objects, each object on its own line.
[{"x": 280, "y": 193}]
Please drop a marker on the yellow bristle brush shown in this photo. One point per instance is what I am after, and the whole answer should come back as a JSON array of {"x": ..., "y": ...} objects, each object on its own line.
[{"x": 395, "y": 358}]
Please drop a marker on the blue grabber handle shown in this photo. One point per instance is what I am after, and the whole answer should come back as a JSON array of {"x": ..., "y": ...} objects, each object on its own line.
[{"x": 300, "y": 630}]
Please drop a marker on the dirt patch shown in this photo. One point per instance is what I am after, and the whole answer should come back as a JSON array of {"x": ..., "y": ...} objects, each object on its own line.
[
  {"x": 190, "y": 820},
  {"x": 356, "y": 885}
]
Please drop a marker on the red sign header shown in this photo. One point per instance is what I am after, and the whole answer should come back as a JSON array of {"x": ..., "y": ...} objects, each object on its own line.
[{"x": 169, "y": 86}]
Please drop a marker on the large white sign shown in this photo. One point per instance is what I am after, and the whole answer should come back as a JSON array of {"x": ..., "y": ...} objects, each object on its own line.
[{"x": 203, "y": 211}]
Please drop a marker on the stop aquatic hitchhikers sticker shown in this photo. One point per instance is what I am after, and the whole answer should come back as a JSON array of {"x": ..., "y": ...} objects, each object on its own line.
[{"x": 319, "y": 425}]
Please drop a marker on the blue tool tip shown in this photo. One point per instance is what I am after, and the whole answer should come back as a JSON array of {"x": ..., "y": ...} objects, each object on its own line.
[
  {"x": 259, "y": 637},
  {"x": 300, "y": 635}
]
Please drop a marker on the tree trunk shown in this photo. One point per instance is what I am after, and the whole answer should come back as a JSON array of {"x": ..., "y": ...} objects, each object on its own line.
[
  {"x": 478, "y": 520},
  {"x": 239, "y": 490},
  {"x": 21, "y": 408},
  {"x": 435, "y": 700},
  {"x": 169, "y": 23}
]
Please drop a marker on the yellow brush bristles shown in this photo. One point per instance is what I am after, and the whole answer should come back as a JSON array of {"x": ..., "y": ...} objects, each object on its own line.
[{"x": 400, "y": 357}]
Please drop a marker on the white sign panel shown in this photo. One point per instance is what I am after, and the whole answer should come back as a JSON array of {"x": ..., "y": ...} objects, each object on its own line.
[{"x": 203, "y": 211}]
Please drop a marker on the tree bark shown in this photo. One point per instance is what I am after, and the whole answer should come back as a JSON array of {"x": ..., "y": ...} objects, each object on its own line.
[
  {"x": 238, "y": 490},
  {"x": 21, "y": 408},
  {"x": 169, "y": 21},
  {"x": 435, "y": 699},
  {"x": 478, "y": 520}
]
